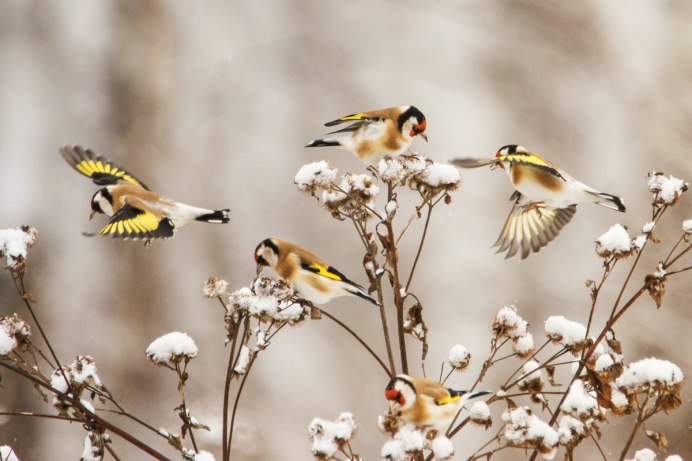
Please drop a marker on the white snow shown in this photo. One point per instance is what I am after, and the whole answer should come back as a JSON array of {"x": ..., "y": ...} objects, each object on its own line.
[
  {"x": 618, "y": 399},
  {"x": 568, "y": 428},
  {"x": 480, "y": 411},
  {"x": 7, "y": 342},
  {"x": 204, "y": 456},
  {"x": 361, "y": 185},
  {"x": 7, "y": 453},
  {"x": 315, "y": 175},
  {"x": 508, "y": 323},
  {"x": 411, "y": 437},
  {"x": 458, "y": 357},
  {"x": 243, "y": 361},
  {"x": 171, "y": 347},
  {"x": 687, "y": 226},
  {"x": 660, "y": 271},
  {"x": 90, "y": 452},
  {"x": 639, "y": 241},
  {"x": 14, "y": 244},
  {"x": 327, "y": 436},
  {"x": 80, "y": 372},
  {"x": 391, "y": 207},
  {"x": 673, "y": 458},
  {"x": 603, "y": 362},
  {"x": 390, "y": 170},
  {"x": 87, "y": 405},
  {"x": 522, "y": 427},
  {"x": 523, "y": 345},
  {"x": 393, "y": 450},
  {"x": 442, "y": 447},
  {"x": 531, "y": 372},
  {"x": 650, "y": 371},
  {"x": 648, "y": 227},
  {"x": 668, "y": 188},
  {"x": 564, "y": 332},
  {"x": 214, "y": 287},
  {"x": 580, "y": 403},
  {"x": 268, "y": 299},
  {"x": 645, "y": 454},
  {"x": 439, "y": 174},
  {"x": 615, "y": 241}
]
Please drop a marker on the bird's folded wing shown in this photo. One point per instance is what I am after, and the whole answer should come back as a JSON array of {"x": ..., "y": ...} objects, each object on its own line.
[
  {"x": 351, "y": 127},
  {"x": 361, "y": 116},
  {"x": 468, "y": 162},
  {"x": 530, "y": 228},
  {"x": 134, "y": 223},
  {"x": 100, "y": 169},
  {"x": 328, "y": 272}
]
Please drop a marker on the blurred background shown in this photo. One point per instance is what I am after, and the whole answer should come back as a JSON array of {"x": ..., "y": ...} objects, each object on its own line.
[{"x": 211, "y": 102}]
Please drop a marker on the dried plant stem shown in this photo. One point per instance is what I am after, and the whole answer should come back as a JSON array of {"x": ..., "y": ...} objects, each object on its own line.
[
  {"x": 229, "y": 372},
  {"x": 182, "y": 376},
  {"x": 641, "y": 417},
  {"x": 226, "y": 390},
  {"x": 420, "y": 246},
  {"x": 360, "y": 340}
]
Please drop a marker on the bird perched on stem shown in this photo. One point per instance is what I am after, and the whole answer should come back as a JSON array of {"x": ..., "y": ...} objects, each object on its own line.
[
  {"x": 376, "y": 134},
  {"x": 545, "y": 199},
  {"x": 425, "y": 402},
  {"x": 316, "y": 280},
  {"x": 136, "y": 212}
]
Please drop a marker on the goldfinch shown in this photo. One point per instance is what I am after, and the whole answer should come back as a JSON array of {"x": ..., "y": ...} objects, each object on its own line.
[
  {"x": 136, "y": 212},
  {"x": 545, "y": 199},
  {"x": 425, "y": 402},
  {"x": 376, "y": 134},
  {"x": 316, "y": 280}
]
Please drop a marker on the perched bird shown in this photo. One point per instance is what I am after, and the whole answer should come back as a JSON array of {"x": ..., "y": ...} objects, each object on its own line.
[
  {"x": 545, "y": 199},
  {"x": 425, "y": 402},
  {"x": 136, "y": 212},
  {"x": 376, "y": 134},
  {"x": 316, "y": 280}
]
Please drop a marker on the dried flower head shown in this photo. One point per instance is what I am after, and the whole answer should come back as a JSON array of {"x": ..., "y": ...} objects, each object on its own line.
[
  {"x": 214, "y": 287},
  {"x": 268, "y": 300},
  {"x": 570, "y": 335},
  {"x": 666, "y": 190},
  {"x": 459, "y": 358},
  {"x": 171, "y": 349},
  {"x": 354, "y": 195},
  {"x": 330, "y": 436},
  {"x": 315, "y": 177},
  {"x": 94, "y": 446},
  {"x": 14, "y": 244},
  {"x": 14, "y": 333},
  {"x": 659, "y": 378},
  {"x": 523, "y": 429},
  {"x": 687, "y": 227},
  {"x": 507, "y": 323},
  {"x": 531, "y": 378},
  {"x": 616, "y": 242},
  {"x": 80, "y": 374},
  {"x": 523, "y": 345},
  {"x": 480, "y": 414}
]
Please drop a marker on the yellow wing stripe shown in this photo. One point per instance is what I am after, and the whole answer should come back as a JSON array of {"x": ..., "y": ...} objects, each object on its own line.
[
  {"x": 323, "y": 271},
  {"x": 446, "y": 400},
  {"x": 142, "y": 223},
  {"x": 353, "y": 117},
  {"x": 531, "y": 159},
  {"x": 89, "y": 167}
]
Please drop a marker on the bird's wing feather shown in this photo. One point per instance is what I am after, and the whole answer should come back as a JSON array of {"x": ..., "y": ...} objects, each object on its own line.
[
  {"x": 531, "y": 227},
  {"x": 434, "y": 390},
  {"x": 136, "y": 223},
  {"x": 361, "y": 116},
  {"x": 533, "y": 161},
  {"x": 352, "y": 127},
  {"x": 468, "y": 162},
  {"x": 101, "y": 170}
]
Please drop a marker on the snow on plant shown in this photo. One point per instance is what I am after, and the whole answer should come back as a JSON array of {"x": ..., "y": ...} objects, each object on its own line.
[
  {"x": 14, "y": 333},
  {"x": 566, "y": 333},
  {"x": 523, "y": 429},
  {"x": 330, "y": 438},
  {"x": 14, "y": 244},
  {"x": 171, "y": 349},
  {"x": 480, "y": 414},
  {"x": 458, "y": 358},
  {"x": 666, "y": 190},
  {"x": 74, "y": 379},
  {"x": 616, "y": 242}
]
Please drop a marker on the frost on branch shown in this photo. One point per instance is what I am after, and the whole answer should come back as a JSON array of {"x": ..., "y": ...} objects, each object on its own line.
[
  {"x": 459, "y": 358},
  {"x": 570, "y": 335},
  {"x": 7, "y": 453},
  {"x": 81, "y": 375},
  {"x": 14, "y": 244},
  {"x": 171, "y": 349},
  {"x": 523, "y": 429},
  {"x": 328, "y": 437},
  {"x": 14, "y": 333},
  {"x": 666, "y": 190}
]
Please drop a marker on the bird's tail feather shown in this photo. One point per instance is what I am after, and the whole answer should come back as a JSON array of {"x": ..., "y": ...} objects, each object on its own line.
[
  {"x": 217, "y": 217},
  {"x": 611, "y": 201},
  {"x": 323, "y": 143}
]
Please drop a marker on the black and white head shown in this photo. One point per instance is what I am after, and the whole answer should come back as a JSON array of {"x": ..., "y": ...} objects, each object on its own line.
[
  {"x": 400, "y": 392},
  {"x": 266, "y": 254},
  {"x": 102, "y": 202},
  {"x": 412, "y": 122},
  {"x": 511, "y": 149}
]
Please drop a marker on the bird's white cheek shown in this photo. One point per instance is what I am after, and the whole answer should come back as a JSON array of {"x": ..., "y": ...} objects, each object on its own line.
[{"x": 106, "y": 207}]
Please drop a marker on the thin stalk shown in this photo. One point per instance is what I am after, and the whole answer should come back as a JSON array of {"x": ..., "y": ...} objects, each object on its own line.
[
  {"x": 226, "y": 391},
  {"x": 420, "y": 246},
  {"x": 246, "y": 325}
]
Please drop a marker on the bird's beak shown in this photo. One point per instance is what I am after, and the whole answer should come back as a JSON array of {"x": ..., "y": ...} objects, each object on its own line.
[
  {"x": 259, "y": 268},
  {"x": 424, "y": 136},
  {"x": 91, "y": 215}
]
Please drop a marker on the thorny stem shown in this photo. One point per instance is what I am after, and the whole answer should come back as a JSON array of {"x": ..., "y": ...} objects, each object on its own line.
[
  {"x": 227, "y": 387},
  {"x": 359, "y": 339}
]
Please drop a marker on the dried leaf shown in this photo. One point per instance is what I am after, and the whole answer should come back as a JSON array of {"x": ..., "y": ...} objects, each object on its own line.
[
  {"x": 550, "y": 371},
  {"x": 656, "y": 288},
  {"x": 315, "y": 313},
  {"x": 658, "y": 438}
]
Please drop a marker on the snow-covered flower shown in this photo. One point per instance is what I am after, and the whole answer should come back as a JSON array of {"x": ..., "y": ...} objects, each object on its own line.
[
  {"x": 80, "y": 374},
  {"x": 531, "y": 379},
  {"x": 507, "y": 323},
  {"x": 214, "y": 287},
  {"x": 666, "y": 190},
  {"x": 94, "y": 446},
  {"x": 14, "y": 244},
  {"x": 480, "y": 414},
  {"x": 648, "y": 227},
  {"x": 203, "y": 455},
  {"x": 14, "y": 333},
  {"x": 523, "y": 345},
  {"x": 268, "y": 300},
  {"x": 459, "y": 358},
  {"x": 436, "y": 178},
  {"x": 523, "y": 429},
  {"x": 442, "y": 448},
  {"x": 581, "y": 404},
  {"x": 645, "y": 454},
  {"x": 568, "y": 334},
  {"x": 615, "y": 242},
  {"x": 354, "y": 194},
  {"x": 328, "y": 436},
  {"x": 315, "y": 176},
  {"x": 687, "y": 227},
  {"x": 650, "y": 373},
  {"x": 171, "y": 349}
]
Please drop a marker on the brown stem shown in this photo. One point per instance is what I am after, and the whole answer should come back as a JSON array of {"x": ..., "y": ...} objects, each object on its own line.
[
  {"x": 246, "y": 325},
  {"x": 393, "y": 259},
  {"x": 420, "y": 246},
  {"x": 225, "y": 456}
]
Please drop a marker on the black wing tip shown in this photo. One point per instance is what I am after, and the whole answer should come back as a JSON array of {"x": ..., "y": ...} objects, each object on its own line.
[
  {"x": 362, "y": 295},
  {"x": 217, "y": 217},
  {"x": 321, "y": 143}
]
